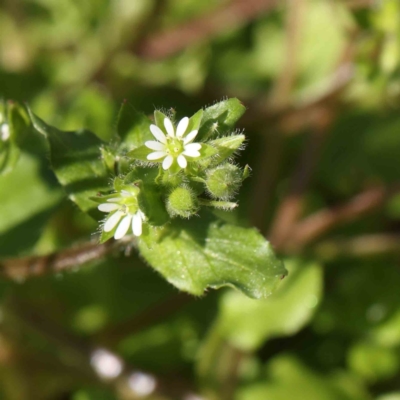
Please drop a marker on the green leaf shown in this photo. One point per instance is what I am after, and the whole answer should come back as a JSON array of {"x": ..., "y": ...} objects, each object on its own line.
[
  {"x": 207, "y": 252},
  {"x": 220, "y": 118},
  {"x": 247, "y": 323},
  {"x": 133, "y": 127},
  {"x": 76, "y": 160},
  {"x": 141, "y": 153}
]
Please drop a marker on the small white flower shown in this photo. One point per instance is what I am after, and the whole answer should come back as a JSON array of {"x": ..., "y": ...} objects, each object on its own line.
[
  {"x": 175, "y": 146},
  {"x": 124, "y": 213},
  {"x": 4, "y": 132}
]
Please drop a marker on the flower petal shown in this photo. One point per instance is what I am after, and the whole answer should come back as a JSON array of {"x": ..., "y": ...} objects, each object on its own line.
[
  {"x": 123, "y": 227},
  {"x": 167, "y": 162},
  {"x": 112, "y": 221},
  {"x": 152, "y": 144},
  {"x": 137, "y": 224},
  {"x": 191, "y": 153},
  {"x": 193, "y": 146},
  {"x": 169, "y": 127},
  {"x": 108, "y": 207},
  {"x": 156, "y": 155},
  {"x": 182, "y": 161},
  {"x": 190, "y": 136},
  {"x": 113, "y": 199},
  {"x": 182, "y": 126},
  {"x": 158, "y": 133}
]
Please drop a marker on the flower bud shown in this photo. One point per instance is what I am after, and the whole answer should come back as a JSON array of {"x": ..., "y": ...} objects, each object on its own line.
[
  {"x": 182, "y": 202},
  {"x": 224, "y": 181}
]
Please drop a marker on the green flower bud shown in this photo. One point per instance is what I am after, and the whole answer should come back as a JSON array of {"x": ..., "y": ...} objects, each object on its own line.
[
  {"x": 224, "y": 181},
  {"x": 182, "y": 202}
]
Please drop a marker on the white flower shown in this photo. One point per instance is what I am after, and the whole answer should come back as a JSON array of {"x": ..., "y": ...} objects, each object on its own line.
[
  {"x": 125, "y": 213},
  {"x": 175, "y": 146},
  {"x": 4, "y": 132}
]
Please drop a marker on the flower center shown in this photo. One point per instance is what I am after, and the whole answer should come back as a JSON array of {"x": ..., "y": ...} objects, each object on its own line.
[{"x": 174, "y": 146}]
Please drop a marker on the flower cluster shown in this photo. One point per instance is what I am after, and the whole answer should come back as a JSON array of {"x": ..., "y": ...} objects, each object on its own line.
[
  {"x": 173, "y": 147},
  {"x": 124, "y": 213},
  {"x": 190, "y": 174}
]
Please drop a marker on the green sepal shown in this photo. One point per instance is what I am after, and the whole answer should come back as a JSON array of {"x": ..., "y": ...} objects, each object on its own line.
[
  {"x": 104, "y": 236},
  {"x": 246, "y": 172},
  {"x": 141, "y": 153},
  {"x": 102, "y": 198},
  {"x": 220, "y": 118},
  {"x": 206, "y": 151},
  {"x": 227, "y": 146},
  {"x": 221, "y": 205},
  {"x": 195, "y": 121},
  {"x": 159, "y": 120}
]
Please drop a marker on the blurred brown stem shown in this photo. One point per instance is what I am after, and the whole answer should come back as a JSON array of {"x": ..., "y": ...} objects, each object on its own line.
[
  {"x": 359, "y": 246},
  {"x": 292, "y": 205},
  {"x": 19, "y": 269},
  {"x": 321, "y": 222},
  {"x": 235, "y": 14}
]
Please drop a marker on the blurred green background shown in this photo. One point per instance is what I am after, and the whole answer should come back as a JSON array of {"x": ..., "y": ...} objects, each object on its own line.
[{"x": 321, "y": 81}]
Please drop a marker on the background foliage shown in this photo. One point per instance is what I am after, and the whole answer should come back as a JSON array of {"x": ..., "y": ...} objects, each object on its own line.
[{"x": 321, "y": 83}]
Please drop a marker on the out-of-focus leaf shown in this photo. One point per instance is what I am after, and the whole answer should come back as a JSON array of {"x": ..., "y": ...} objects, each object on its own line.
[
  {"x": 373, "y": 362},
  {"x": 75, "y": 159},
  {"x": 208, "y": 252},
  {"x": 25, "y": 192},
  {"x": 288, "y": 378},
  {"x": 133, "y": 127},
  {"x": 14, "y": 127},
  {"x": 389, "y": 396},
  {"x": 247, "y": 323}
]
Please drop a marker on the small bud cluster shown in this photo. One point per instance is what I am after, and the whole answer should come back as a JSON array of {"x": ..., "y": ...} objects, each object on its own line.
[{"x": 186, "y": 167}]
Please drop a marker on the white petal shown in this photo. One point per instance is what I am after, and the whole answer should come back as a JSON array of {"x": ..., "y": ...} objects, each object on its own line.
[
  {"x": 108, "y": 207},
  {"x": 190, "y": 136},
  {"x": 169, "y": 127},
  {"x": 191, "y": 153},
  {"x": 158, "y": 133},
  {"x": 123, "y": 227},
  {"x": 167, "y": 162},
  {"x": 125, "y": 193},
  {"x": 193, "y": 146},
  {"x": 156, "y": 155},
  {"x": 112, "y": 221},
  {"x": 113, "y": 199},
  {"x": 152, "y": 144},
  {"x": 182, "y": 126},
  {"x": 182, "y": 161},
  {"x": 137, "y": 223}
]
